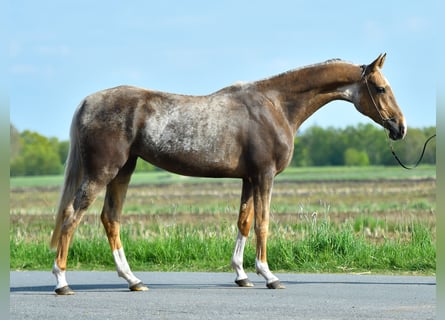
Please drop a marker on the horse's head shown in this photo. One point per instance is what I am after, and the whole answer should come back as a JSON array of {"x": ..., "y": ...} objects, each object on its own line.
[{"x": 376, "y": 100}]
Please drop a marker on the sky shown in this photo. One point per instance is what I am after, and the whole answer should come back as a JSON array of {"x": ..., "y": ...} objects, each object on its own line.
[{"x": 61, "y": 51}]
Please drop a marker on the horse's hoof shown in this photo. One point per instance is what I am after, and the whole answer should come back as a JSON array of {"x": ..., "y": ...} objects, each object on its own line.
[
  {"x": 275, "y": 285},
  {"x": 64, "y": 291},
  {"x": 139, "y": 287},
  {"x": 245, "y": 283}
]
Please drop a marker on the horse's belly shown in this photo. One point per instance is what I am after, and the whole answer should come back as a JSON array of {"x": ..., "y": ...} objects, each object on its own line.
[
  {"x": 199, "y": 164},
  {"x": 194, "y": 153}
]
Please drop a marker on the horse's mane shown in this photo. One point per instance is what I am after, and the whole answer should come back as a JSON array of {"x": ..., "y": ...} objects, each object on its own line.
[
  {"x": 239, "y": 84},
  {"x": 334, "y": 60}
]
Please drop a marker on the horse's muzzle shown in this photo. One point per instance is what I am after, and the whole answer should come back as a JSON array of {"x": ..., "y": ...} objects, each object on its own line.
[{"x": 397, "y": 129}]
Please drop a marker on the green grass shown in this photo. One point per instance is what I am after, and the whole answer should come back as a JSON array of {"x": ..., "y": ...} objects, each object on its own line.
[
  {"x": 356, "y": 173},
  {"x": 290, "y": 174},
  {"x": 315, "y": 246},
  {"x": 36, "y": 181}
]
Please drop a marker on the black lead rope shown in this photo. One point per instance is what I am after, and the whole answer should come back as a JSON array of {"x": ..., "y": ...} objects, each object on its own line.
[{"x": 420, "y": 158}]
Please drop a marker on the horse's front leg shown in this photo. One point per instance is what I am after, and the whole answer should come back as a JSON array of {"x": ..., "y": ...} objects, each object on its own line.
[
  {"x": 244, "y": 222},
  {"x": 262, "y": 198}
]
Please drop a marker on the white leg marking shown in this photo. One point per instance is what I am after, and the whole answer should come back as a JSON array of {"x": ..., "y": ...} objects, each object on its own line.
[
  {"x": 237, "y": 258},
  {"x": 262, "y": 268},
  {"x": 60, "y": 276},
  {"x": 122, "y": 267}
]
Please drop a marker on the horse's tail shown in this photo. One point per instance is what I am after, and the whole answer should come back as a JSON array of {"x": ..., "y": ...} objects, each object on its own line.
[{"x": 72, "y": 180}]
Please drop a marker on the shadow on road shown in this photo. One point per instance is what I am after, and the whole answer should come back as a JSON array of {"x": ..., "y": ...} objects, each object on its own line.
[{"x": 258, "y": 285}]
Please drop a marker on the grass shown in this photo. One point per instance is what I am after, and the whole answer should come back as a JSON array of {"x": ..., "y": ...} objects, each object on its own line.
[
  {"x": 323, "y": 220},
  {"x": 316, "y": 246},
  {"x": 290, "y": 174}
]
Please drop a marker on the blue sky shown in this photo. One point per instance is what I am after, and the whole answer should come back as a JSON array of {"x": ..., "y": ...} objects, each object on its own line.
[{"x": 61, "y": 51}]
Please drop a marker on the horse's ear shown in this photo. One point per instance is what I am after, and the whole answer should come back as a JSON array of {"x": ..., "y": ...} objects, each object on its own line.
[
  {"x": 381, "y": 60},
  {"x": 377, "y": 63}
]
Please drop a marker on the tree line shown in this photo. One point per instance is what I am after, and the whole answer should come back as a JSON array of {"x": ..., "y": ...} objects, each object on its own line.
[{"x": 33, "y": 154}]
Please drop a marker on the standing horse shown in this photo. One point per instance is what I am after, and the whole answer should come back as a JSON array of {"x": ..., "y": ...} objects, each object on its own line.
[{"x": 242, "y": 131}]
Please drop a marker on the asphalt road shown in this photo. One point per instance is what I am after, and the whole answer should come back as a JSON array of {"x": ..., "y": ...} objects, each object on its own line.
[{"x": 102, "y": 295}]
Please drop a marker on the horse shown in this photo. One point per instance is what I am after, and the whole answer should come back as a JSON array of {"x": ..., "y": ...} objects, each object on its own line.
[{"x": 243, "y": 131}]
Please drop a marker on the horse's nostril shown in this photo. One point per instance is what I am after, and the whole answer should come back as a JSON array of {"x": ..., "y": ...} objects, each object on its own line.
[{"x": 402, "y": 131}]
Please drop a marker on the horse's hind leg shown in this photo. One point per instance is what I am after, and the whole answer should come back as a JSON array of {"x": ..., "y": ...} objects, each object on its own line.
[
  {"x": 244, "y": 222},
  {"x": 111, "y": 212},
  {"x": 73, "y": 214}
]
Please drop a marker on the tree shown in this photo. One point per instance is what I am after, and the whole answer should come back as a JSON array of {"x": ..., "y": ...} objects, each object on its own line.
[
  {"x": 325, "y": 147},
  {"x": 299, "y": 157},
  {"x": 38, "y": 156},
  {"x": 319, "y": 146},
  {"x": 368, "y": 138},
  {"x": 63, "y": 149},
  {"x": 353, "y": 157}
]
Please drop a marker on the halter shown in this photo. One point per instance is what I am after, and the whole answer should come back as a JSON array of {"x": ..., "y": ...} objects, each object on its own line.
[{"x": 365, "y": 78}]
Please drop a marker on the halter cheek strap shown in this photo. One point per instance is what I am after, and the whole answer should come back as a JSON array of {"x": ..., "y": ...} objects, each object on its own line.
[{"x": 365, "y": 78}]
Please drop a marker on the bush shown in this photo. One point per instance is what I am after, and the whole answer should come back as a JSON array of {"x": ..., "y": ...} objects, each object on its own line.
[{"x": 353, "y": 157}]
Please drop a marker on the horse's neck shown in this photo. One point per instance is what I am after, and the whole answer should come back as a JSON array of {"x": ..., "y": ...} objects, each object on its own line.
[{"x": 303, "y": 91}]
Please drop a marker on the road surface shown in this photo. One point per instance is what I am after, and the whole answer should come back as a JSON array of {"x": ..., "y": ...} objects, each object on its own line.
[{"x": 102, "y": 295}]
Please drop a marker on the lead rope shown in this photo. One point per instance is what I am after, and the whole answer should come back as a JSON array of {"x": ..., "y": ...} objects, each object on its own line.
[
  {"x": 420, "y": 158},
  {"x": 390, "y": 142}
]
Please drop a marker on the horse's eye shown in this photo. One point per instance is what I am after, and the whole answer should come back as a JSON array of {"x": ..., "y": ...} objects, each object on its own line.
[{"x": 381, "y": 90}]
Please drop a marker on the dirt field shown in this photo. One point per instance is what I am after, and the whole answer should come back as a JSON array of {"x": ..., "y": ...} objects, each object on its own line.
[{"x": 393, "y": 201}]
